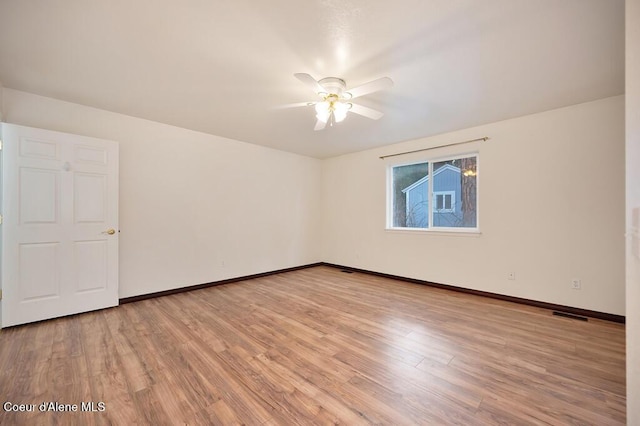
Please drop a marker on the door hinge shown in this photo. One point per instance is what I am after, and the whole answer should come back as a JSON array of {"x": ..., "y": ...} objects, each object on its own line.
[
  {"x": 0, "y": 219},
  {"x": 0, "y": 144},
  {"x": 0, "y": 294}
]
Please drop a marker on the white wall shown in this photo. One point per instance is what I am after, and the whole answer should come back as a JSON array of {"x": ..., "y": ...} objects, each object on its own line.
[
  {"x": 1, "y": 119},
  {"x": 194, "y": 208},
  {"x": 633, "y": 204},
  {"x": 551, "y": 194},
  {"x": 1, "y": 103}
]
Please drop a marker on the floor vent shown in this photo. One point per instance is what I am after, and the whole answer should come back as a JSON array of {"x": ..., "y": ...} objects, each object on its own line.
[
  {"x": 568, "y": 315},
  {"x": 346, "y": 271}
]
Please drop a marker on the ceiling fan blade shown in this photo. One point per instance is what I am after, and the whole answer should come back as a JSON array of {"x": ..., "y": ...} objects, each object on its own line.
[
  {"x": 294, "y": 105},
  {"x": 366, "y": 111},
  {"x": 310, "y": 81},
  {"x": 320, "y": 125},
  {"x": 370, "y": 87}
]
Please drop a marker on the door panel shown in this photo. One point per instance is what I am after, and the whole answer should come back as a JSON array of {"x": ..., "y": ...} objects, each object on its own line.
[
  {"x": 90, "y": 198},
  {"x": 60, "y": 196},
  {"x": 91, "y": 265},
  {"x": 91, "y": 155},
  {"x": 38, "y": 196},
  {"x": 31, "y": 148},
  {"x": 42, "y": 282}
]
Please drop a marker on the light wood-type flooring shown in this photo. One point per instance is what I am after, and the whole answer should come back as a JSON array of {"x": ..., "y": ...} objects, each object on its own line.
[{"x": 317, "y": 346}]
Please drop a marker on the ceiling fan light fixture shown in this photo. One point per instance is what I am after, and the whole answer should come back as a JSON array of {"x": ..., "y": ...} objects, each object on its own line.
[
  {"x": 339, "y": 116},
  {"x": 323, "y": 117},
  {"x": 331, "y": 106},
  {"x": 323, "y": 111},
  {"x": 322, "y": 107},
  {"x": 340, "y": 111}
]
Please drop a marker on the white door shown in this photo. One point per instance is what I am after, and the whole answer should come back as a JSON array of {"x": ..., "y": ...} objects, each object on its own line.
[{"x": 60, "y": 224}]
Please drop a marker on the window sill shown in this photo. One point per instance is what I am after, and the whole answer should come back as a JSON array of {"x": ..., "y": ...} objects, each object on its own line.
[{"x": 474, "y": 233}]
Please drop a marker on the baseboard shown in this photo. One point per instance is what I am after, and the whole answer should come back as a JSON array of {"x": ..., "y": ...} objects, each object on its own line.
[
  {"x": 212, "y": 284},
  {"x": 551, "y": 306},
  {"x": 545, "y": 305}
]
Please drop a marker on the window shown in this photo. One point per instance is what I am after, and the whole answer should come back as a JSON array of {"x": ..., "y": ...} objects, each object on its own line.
[
  {"x": 429, "y": 195},
  {"x": 445, "y": 201}
]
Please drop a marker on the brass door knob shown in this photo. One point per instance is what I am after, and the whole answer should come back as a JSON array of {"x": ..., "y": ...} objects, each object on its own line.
[{"x": 110, "y": 231}]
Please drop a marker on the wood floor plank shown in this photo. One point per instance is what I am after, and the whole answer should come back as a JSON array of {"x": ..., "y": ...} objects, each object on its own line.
[
  {"x": 245, "y": 405},
  {"x": 317, "y": 346},
  {"x": 320, "y": 393},
  {"x": 219, "y": 413}
]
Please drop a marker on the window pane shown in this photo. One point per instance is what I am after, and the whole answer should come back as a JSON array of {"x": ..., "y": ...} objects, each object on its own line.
[
  {"x": 447, "y": 202},
  {"x": 455, "y": 182},
  {"x": 410, "y": 196}
]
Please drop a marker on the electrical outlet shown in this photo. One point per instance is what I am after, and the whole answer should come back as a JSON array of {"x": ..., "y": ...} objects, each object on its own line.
[
  {"x": 511, "y": 276},
  {"x": 576, "y": 284}
]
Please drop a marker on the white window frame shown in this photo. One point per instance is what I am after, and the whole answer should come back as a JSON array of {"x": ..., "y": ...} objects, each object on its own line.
[
  {"x": 430, "y": 196},
  {"x": 451, "y": 194}
]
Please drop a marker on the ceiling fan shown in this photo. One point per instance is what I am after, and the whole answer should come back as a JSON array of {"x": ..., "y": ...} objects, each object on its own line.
[{"x": 335, "y": 99}]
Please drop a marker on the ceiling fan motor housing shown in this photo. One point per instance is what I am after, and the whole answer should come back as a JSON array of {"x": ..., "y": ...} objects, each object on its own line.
[{"x": 334, "y": 85}]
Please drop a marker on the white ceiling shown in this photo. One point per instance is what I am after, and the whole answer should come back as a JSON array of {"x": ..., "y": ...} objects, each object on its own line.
[{"x": 221, "y": 66}]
